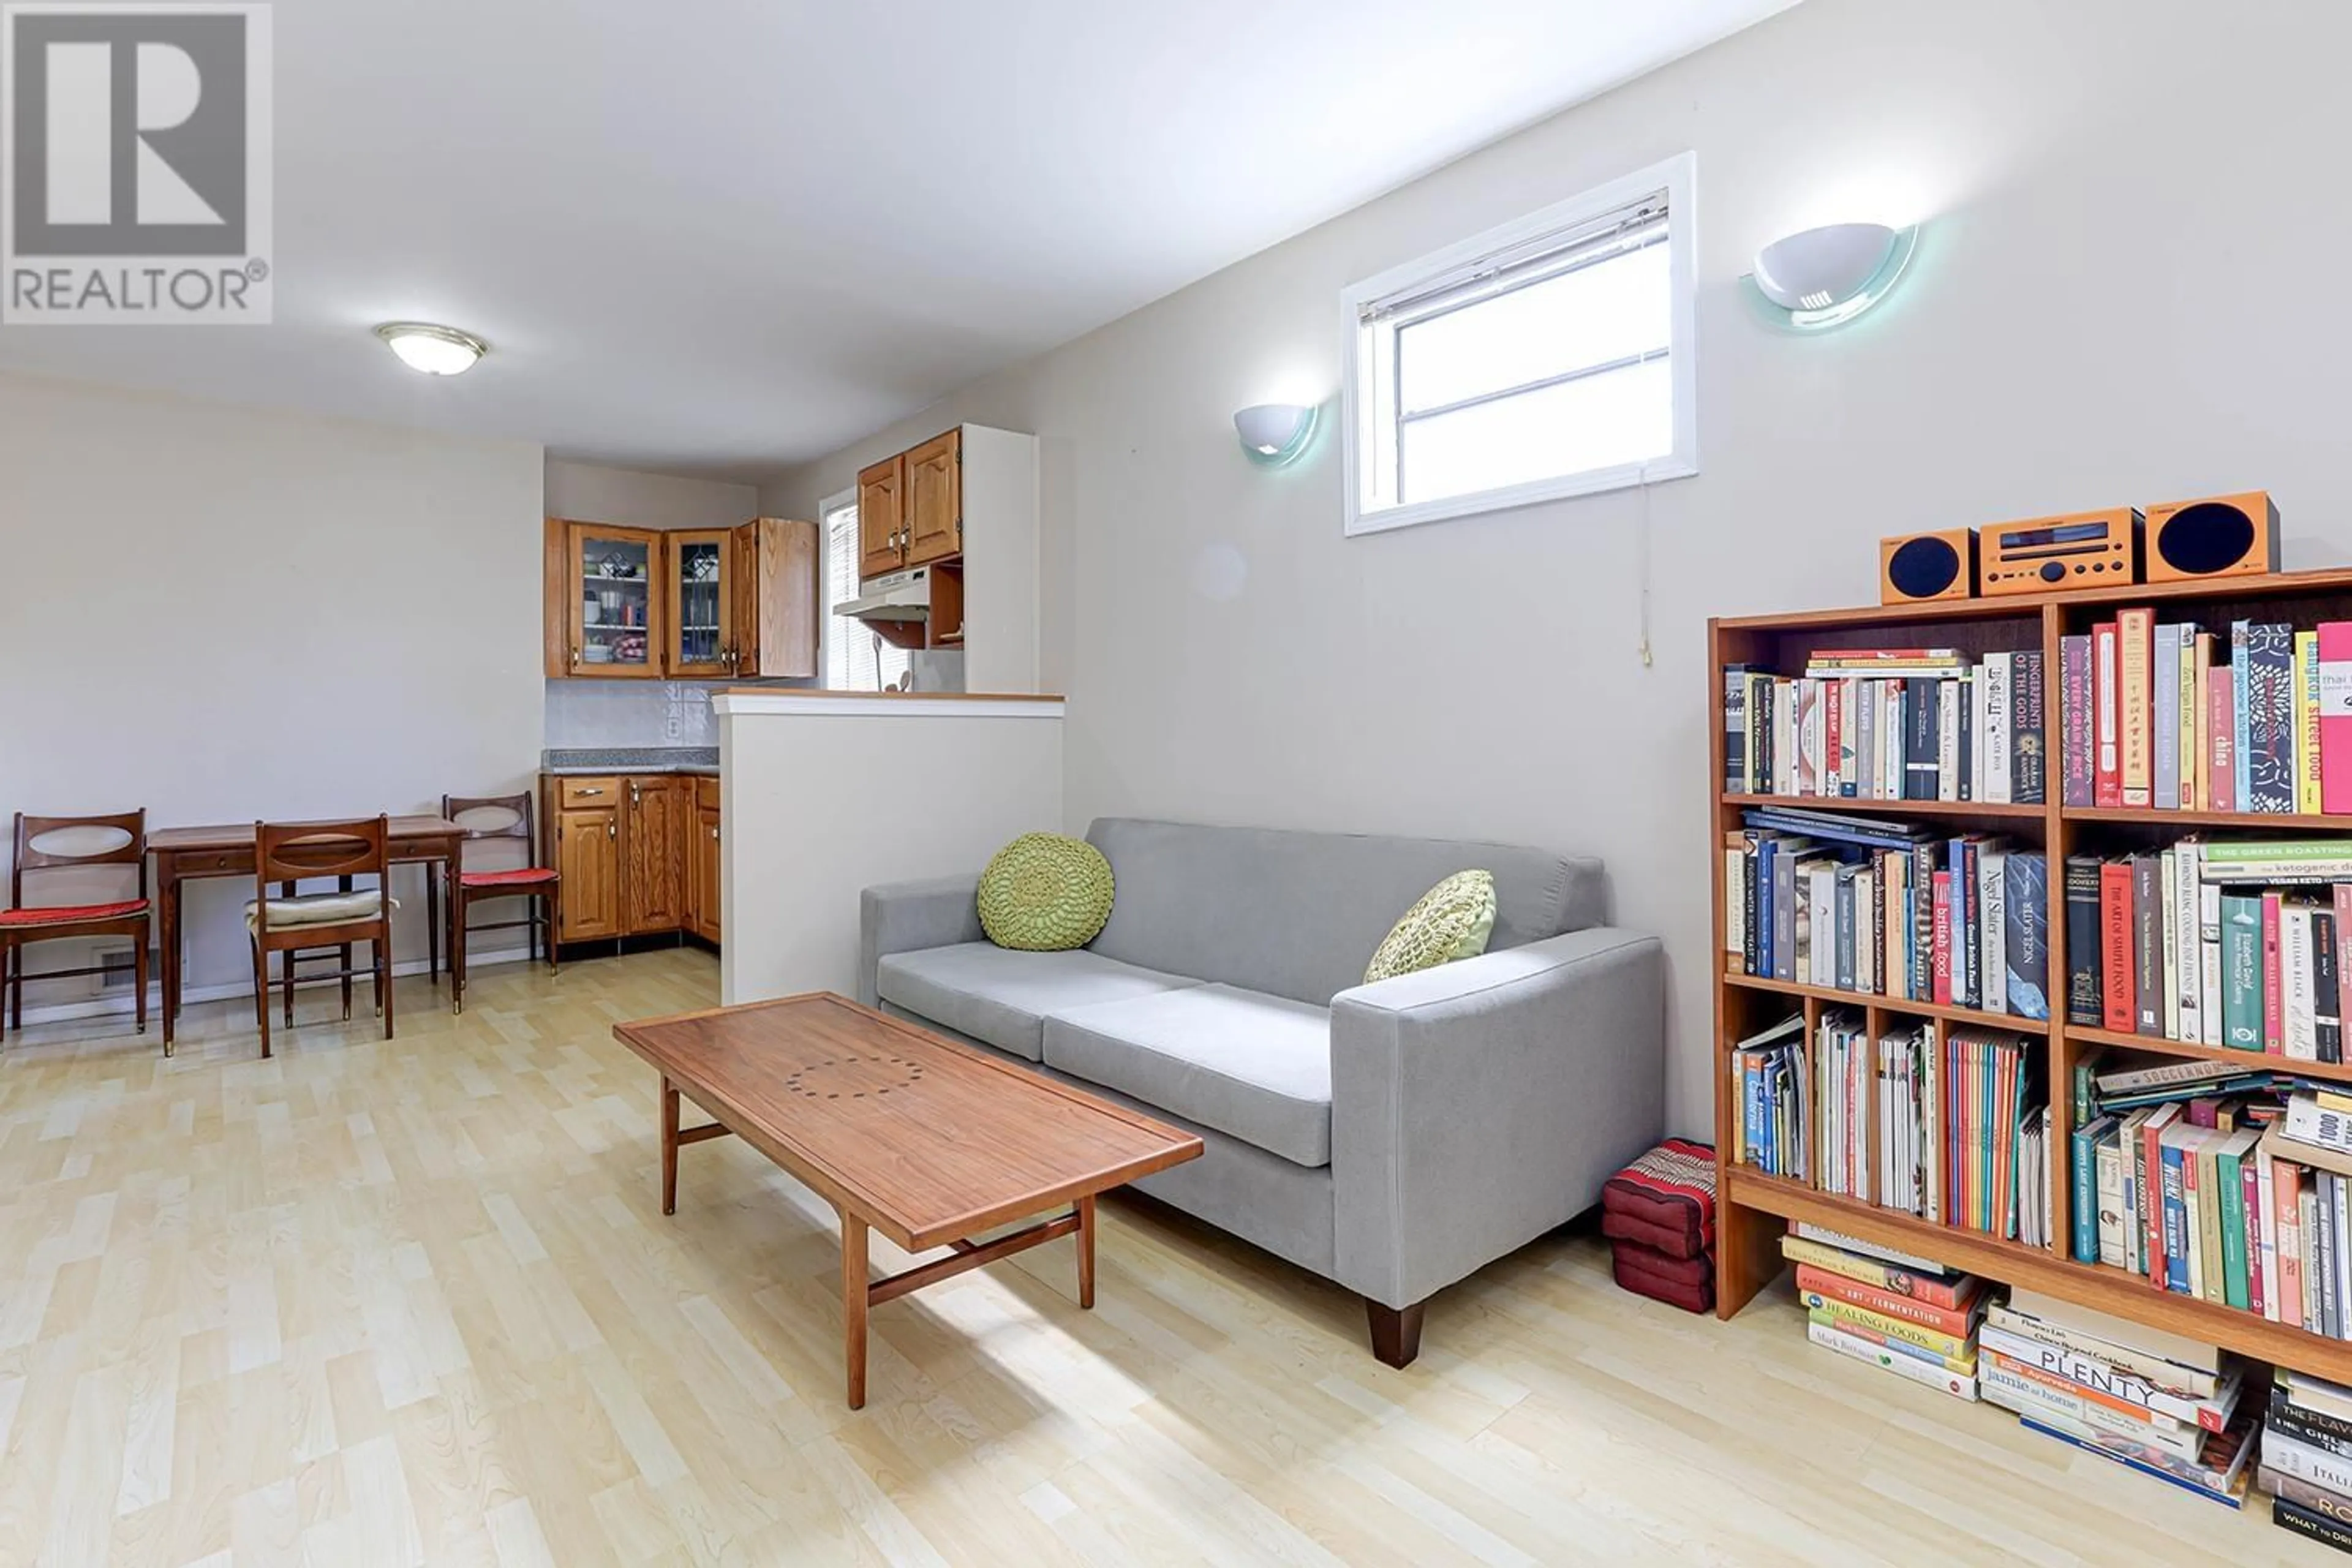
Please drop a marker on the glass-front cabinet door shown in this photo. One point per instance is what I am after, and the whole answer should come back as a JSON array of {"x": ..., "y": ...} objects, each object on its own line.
[
  {"x": 701, "y": 592},
  {"x": 619, "y": 601}
]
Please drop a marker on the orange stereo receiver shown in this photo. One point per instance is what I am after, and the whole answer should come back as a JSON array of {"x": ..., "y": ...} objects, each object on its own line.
[{"x": 2045, "y": 554}]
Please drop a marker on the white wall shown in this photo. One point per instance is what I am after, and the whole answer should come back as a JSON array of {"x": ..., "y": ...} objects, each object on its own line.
[
  {"x": 2129, "y": 292},
  {"x": 823, "y": 797},
  {"x": 585, "y": 492},
  {"x": 222, "y": 614}
]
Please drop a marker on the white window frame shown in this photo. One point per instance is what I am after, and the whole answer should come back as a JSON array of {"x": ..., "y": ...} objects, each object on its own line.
[
  {"x": 1361, "y": 404},
  {"x": 835, "y": 593}
]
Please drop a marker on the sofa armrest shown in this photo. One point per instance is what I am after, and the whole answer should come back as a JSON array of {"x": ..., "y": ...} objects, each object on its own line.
[
  {"x": 906, "y": 916},
  {"x": 1477, "y": 1105}
]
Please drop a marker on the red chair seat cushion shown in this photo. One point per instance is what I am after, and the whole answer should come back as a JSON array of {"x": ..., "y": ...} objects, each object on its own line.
[
  {"x": 523, "y": 877},
  {"x": 73, "y": 914}
]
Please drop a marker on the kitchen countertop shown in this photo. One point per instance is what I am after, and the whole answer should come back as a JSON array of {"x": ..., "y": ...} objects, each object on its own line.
[{"x": 561, "y": 761}]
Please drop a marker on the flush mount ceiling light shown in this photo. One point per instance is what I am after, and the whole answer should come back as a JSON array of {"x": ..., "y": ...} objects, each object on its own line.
[
  {"x": 1826, "y": 277},
  {"x": 436, "y": 350},
  {"x": 1274, "y": 434}
]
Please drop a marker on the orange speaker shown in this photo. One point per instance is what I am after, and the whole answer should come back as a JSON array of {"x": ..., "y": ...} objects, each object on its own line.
[
  {"x": 1914, "y": 567},
  {"x": 2227, "y": 536},
  {"x": 2046, "y": 554}
]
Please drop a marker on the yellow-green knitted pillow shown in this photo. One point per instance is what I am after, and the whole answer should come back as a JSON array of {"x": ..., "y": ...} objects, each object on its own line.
[
  {"x": 1045, "y": 892},
  {"x": 1451, "y": 921}
]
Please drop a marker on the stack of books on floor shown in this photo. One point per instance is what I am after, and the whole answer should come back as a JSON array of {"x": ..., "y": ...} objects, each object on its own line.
[
  {"x": 1888, "y": 724},
  {"x": 2163, "y": 1405},
  {"x": 2152, "y": 717},
  {"x": 2237, "y": 944},
  {"x": 2307, "y": 1457},
  {"x": 1902, "y": 1314},
  {"x": 1888, "y": 909}
]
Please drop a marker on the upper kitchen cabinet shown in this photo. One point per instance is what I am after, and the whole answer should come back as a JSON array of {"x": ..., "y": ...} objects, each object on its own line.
[
  {"x": 692, "y": 604},
  {"x": 881, "y": 517},
  {"x": 776, "y": 583},
  {"x": 933, "y": 525},
  {"x": 703, "y": 571},
  {"x": 610, "y": 614}
]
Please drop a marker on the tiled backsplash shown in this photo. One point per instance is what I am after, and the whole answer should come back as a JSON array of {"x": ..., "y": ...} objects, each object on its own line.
[{"x": 631, "y": 713}]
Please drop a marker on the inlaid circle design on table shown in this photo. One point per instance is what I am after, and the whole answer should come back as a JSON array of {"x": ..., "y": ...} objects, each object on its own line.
[{"x": 853, "y": 1078}]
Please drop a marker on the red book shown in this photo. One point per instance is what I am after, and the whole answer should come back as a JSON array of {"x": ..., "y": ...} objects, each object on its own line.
[
  {"x": 1958, "y": 1321},
  {"x": 1833, "y": 736},
  {"x": 2115, "y": 974},
  {"x": 2135, "y": 700},
  {"x": 2336, "y": 716},
  {"x": 1941, "y": 966},
  {"x": 2152, "y": 1214},
  {"x": 2273, "y": 992},
  {"x": 2106, "y": 737},
  {"x": 2222, "y": 731}
]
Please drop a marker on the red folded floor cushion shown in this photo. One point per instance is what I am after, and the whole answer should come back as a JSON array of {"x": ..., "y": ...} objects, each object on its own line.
[
  {"x": 1626, "y": 1264},
  {"x": 1700, "y": 1270},
  {"x": 1672, "y": 1187},
  {"x": 1665, "y": 1240}
]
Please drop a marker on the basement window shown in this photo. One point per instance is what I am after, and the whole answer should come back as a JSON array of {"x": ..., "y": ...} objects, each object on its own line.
[{"x": 1547, "y": 358}]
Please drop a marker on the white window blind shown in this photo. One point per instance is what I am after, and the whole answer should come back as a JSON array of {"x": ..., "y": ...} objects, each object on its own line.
[
  {"x": 856, "y": 658},
  {"x": 1547, "y": 358}
]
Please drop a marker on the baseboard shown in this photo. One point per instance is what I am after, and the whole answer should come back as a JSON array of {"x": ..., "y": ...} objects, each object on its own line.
[{"x": 127, "y": 1006}]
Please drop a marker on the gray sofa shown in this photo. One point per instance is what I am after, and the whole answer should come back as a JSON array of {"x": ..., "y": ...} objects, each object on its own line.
[{"x": 1393, "y": 1138}]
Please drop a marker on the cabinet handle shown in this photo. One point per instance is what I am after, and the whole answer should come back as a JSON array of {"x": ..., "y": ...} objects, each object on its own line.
[
  {"x": 575, "y": 658},
  {"x": 611, "y": 830},
  {"x": 588, "y": 792}
]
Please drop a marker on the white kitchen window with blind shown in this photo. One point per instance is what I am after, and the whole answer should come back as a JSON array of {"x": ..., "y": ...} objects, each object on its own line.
[
  {"x": 856, "y": 657},
  {"x": 1547, "y": 358}
]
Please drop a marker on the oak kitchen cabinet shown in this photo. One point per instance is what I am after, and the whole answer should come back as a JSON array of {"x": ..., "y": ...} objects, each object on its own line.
[
  {"x": 632, "y": 848},
  {"x": 911, "y": 507},
  {"x": 693, "y": 603}
]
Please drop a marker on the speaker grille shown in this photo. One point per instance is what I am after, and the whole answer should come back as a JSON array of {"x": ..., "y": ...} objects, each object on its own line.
[
  {"x": 2210, "y": 536},
  {"x": 1923, "y": 568}
]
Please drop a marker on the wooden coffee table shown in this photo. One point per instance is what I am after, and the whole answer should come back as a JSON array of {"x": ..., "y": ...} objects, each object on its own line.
[{"x": 925, "y": 1140}]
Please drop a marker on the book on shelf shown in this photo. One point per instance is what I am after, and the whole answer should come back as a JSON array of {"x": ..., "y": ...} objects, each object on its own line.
[
  {"x": 1888, "y": 909},
  {"x": 2170, "y": 716},
  {"x": 1933, "y": 1287},
  {"x": 1768, "y": 1075},
  {"x": 1919, "y": 724}
]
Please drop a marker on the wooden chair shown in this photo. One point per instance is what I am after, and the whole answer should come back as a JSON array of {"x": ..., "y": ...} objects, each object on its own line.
[
  {"x": 64, "y": 845},
  {"x": 293, "y": 923},
  {"x": 491, "y": 818}
]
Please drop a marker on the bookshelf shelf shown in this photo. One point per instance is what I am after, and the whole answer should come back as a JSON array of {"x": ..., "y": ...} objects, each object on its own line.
[
  {"x": 1832, "y": 995},
  {"x": 2237, "y": 821},
  {"x": 2253, "y": 1061},
  {"x": 1755, "y": 1207},
  {"x": 1922, "y": 808},
  {"x": 2013, "y": 1263}
]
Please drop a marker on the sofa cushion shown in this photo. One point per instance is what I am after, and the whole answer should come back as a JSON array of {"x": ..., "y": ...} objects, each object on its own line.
[
  {"x": 1003, "y": 996},
  {"x": 1045, "y": 892},
  {"x": 1254, "y": 1065},
  {"x": 1296, "y": 914}
]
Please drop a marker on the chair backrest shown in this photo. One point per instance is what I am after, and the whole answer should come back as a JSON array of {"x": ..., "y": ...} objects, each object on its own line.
[
  {"x": 494, "y": 816},
  {"x": 291, "y": 851},
  {"x": 77, "y": 844}
]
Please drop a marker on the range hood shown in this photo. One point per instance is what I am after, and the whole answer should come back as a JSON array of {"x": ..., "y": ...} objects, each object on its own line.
[{"x": 893, "y": 596}]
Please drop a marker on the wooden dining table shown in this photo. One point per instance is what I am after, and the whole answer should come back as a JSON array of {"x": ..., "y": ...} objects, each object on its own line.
[{"x": 192, "y": 854}]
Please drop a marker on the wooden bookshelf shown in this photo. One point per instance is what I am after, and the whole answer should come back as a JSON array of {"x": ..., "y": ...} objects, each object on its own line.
[{"x": 1754, "y": 1207}]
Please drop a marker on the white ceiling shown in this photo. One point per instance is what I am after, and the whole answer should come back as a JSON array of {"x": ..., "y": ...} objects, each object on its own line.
[{"x": 727, "y": 236}]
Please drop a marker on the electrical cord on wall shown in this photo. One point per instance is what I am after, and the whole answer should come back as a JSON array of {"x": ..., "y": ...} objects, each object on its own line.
[{"x": 1642, "y": 546}]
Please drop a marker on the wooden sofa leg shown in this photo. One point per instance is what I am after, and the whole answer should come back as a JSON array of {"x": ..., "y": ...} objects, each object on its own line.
[{"x": 1396, "y": 1332}]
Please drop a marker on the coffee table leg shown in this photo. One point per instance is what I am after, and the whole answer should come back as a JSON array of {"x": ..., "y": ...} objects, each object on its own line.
[
  {"x": 1086, "y": 1250},
  {"x": 670, "y": 1145},
  {"x": 853, "y": 1305}
]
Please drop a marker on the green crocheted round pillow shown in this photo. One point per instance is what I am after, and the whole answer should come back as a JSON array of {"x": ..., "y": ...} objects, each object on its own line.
[
  {"x": 1045, "y": 892},
  {"x": 1451, "y": 921}
]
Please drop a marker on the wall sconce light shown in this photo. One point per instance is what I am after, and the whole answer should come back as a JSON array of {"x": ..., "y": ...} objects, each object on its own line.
[
  {"x": 1274, "y": 434},
  {"x": 1826, "y": 277}
]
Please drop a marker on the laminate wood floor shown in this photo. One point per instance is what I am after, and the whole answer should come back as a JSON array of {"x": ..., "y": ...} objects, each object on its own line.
[{"x": 412, "y": 1302}]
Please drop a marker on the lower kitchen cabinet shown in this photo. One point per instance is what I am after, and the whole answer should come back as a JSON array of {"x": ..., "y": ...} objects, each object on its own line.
[{"x": 632, "y": 851}]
